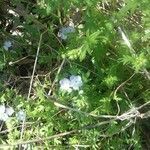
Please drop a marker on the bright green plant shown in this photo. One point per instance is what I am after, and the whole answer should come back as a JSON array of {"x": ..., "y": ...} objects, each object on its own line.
[{"x": 78, "y": 71}]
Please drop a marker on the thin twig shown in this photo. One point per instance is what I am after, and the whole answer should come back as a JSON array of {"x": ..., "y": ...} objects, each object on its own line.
[
  {"x": 31, "y": 82},
  {"x": 35, "y": 63},
  {"x": 145, "y": 104},
  {"x": 146, "y": 73},
  {"x": 17, "y": 61},
  {"x": 60, "y": 105},
  {"x": 130, "y": 115},
  {"x": 126, "y": 41},
  {"x": 132, "y": 51},
  {"x": 59, "y": 69},
  {"x": 60, "y": 134},
  {"x": 22, "y": 131},
  {"x": 122, "y": 84}
]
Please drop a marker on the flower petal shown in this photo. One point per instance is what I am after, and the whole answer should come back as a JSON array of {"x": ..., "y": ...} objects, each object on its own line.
[
  {"x": 2, "y": 109},
  {"x": 21, "y": 115},
  {"x": 9, "y": 111}
]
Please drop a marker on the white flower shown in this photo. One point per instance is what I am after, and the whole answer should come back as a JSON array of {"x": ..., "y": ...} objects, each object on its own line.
[
  {"x": 5, "y": 112},
  {"x": 76, "y": 82},
  {"x": 4, "y": 117},
  {"x": 21, "y": 115},
  {"x": 7, "y": 45},
  {"x": 2, "y": 113},
  {"x": 64, "y": 31},
  {"x": 9, "y": 111},
  {"x": 2, "y": 109},
  {"x": 73, "y": 83},
  {"x": 65, "y": 85}
]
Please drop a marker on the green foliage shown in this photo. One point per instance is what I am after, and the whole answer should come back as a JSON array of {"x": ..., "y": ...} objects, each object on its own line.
[
  {"x": 137, "y": 62},
  {"x": 115, "y": 78}
]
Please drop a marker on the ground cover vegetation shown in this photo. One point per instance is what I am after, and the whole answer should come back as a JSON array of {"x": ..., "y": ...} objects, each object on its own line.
[{"x": 74, "y": 74}]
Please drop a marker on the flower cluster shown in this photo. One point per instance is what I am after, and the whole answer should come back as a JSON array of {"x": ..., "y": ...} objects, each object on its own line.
[
  {"x": 5, "y": 112},
  {"x": 7, "y": 45},
  {"x": 64, "y": 31},
  {"x": 73, "y": 83},
  {"x": 21, "y": 115}
]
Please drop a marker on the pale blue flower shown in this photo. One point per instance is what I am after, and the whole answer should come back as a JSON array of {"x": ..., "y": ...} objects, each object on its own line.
[
  {"x": 73, "y": 83},
  {"x": 4, "y": 117},
  {"x": 5, "y": 112},
  {"x": 9, "y": 111},
  {"x": 21, "y": 115},
  {"x": 76, "y": 82},
  {"x": 65, "y": 85},
  {"x": 7, "y": 45},
  {"x": 64, "y": 31},
  {"x": 2, "y": 109}
]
